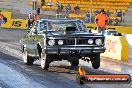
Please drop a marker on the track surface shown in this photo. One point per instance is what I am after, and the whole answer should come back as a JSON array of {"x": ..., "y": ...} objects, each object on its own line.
[{"x": 15, "y": 74}]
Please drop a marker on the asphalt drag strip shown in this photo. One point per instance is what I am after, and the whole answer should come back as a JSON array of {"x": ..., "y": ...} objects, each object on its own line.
[
  {"x": 19, "y": 74},
  {"x": 58, "y": 76},
  {"x": 15, "y": 79}
]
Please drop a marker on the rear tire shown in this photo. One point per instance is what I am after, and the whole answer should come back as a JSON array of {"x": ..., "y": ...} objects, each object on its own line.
[
  {"x": 28, "y": 60},
  {"x": 96, "y": 61},
  {"x": 45, "y": 61}
]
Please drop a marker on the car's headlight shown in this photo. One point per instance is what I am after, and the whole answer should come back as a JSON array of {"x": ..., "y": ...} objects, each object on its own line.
[
  {"x": 98, "y": 41},
  {"x": 51, "y": 42},
  {"x": 90, "y": 41},
  {"x": 60, "y": 42}
]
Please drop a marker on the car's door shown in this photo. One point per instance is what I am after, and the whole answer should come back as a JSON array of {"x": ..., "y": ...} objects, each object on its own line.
[
  {"x": 29, "y": 42},
  {"x": 39, "y": 36}
]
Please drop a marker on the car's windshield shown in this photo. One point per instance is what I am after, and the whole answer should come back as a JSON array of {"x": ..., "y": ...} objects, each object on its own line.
[{"x": 54, "y": 26}]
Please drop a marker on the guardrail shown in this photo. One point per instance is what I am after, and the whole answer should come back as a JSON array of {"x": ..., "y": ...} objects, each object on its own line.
[
  {"x": 13, "y": 23},
  {"x": 120, "y": 29}
]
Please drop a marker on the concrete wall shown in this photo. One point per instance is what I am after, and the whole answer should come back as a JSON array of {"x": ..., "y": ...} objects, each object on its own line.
[{"x": 129, "y": 40}]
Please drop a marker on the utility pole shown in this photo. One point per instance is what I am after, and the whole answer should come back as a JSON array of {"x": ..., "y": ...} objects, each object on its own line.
[
  {"x": 34, "y": 4},
  {"x": 122, "y": 14},
  {"x": 91, "y": 11}
]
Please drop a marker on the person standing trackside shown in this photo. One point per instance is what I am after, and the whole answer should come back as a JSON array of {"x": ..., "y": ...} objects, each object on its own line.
[
  {"x": 1, "y": 19},
  {"x": 101, "y": 20},
  {"x": 30, "y": 20},
  {"x": 35, "y": 4},
  {"x": 38, "y": 11}
]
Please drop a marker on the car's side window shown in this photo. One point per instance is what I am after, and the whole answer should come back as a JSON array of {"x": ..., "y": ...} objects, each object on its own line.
[
  {"x": 43, "y": 26},
  {"x": 79, "y": 26},
  {"x": 37, "y": 24}
]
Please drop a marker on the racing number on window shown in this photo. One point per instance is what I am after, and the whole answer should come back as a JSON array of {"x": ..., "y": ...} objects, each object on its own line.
[{"x": 17, "y": 23}]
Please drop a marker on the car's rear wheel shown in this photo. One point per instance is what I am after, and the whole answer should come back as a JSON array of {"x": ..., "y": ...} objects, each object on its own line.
[
  {"x": 45, "y": 61},
  {"x": 74, "y": 62},
  {"x": 27, "y": 59},
  {"x": 96, "y": 61}
]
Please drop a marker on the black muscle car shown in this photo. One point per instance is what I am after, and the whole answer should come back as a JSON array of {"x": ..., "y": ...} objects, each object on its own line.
[{"x": 61, "y": 39}]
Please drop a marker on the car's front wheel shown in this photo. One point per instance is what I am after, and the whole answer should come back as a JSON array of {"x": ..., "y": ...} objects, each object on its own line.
[
  {"x": 96, "y": 61},
  {"x": 45, "y": 61},
  {"x": 27, "y": 59}
]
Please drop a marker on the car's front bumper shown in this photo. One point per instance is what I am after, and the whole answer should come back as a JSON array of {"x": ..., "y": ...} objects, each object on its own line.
[{"x": 74, "y": 50}]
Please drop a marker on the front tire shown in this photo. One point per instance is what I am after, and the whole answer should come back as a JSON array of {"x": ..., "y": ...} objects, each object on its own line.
[
  {"x": 96, "y": 61},
  {"x": 45, "y": 61},
  {"x": 28, "y": 60}
]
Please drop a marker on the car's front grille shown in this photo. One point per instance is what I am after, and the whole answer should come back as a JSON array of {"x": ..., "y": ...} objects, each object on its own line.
[
  {"x": 69, "y": 42},
  {"x": 82, "y": 41},
  {"x": 76, "y": 41}
]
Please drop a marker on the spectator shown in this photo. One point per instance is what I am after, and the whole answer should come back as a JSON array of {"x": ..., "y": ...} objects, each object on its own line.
[
  {"x": 34, "y": 4},
  {"x": 100, "y": 21},
  {"x": 60, "y": 8},
  {"x": 87, "y": 17},
  {"x": 97, "y": 12},
  {"x": 1, "y": 19},
  {"x": 42, "y": 2},
  {"x": 51, "y": 3},
  {"x": 36, "y": 17},
  {"x": 30, "y": 20},
  {"x": 38, "y": 11},
  {"x": 120, "y": 13},
  {"x": 115, "y": 13},
  {"x": 108, "y": 13},
  {"x": 116, "y": 22},
  {"x": 57, "y": 3},
  {"x": 67, "y": 16},
  {"x": 110, "y": 22},
  {"x": 76, "y": 9},
  {"x": 68, "y": 9}
]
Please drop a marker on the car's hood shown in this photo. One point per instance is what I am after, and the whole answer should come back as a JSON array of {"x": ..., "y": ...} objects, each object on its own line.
[{"x": 71, "y": 34}]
